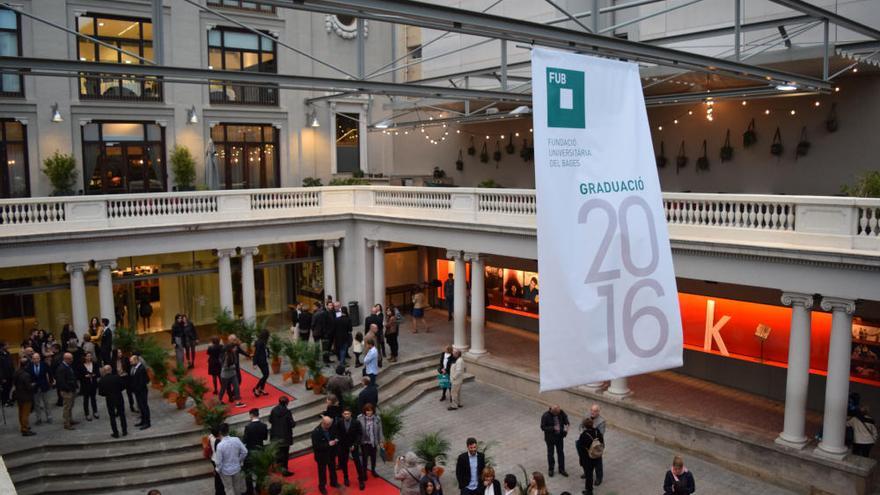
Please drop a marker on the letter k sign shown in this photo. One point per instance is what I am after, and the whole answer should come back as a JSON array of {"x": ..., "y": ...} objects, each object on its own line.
[{"x": 713, "y": 330}]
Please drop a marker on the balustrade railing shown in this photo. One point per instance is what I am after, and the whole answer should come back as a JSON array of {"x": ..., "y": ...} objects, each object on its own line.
[{"x": 828, "y": 222}]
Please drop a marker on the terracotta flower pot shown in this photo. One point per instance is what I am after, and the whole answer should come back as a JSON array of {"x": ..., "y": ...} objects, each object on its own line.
[
  {"x": 439, "y": 470},
  {"x": 390, "y": 448},
  {"x": 276, "y": 365},
  {"x": 180, "y": 402}
]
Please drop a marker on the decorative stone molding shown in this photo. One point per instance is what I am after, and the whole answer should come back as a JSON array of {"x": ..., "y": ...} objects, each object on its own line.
[
  {"x": 375, "y": 243},
  {"x": 162, "y": 123},
  {"x": 839, "y": 304},
  {"x": 797, "y": 299},
  {"x": 101, "y": 264},
  {"x": 79, "y": 266},
  {"x": 474, "y": 257},
  {"x": 455, "y": 255},
  {"x": 21, "y": 120},
  {"x": 346, "y": 31},
  {"x": 330, "y": 243},
  {"x": 226, "y": 252},
  {"x": 83, "y": 122},
  {"x": 254, "y": 250}
]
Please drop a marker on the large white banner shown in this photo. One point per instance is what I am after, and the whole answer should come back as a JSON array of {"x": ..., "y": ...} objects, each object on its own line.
[{"x": 609, "y": 304}]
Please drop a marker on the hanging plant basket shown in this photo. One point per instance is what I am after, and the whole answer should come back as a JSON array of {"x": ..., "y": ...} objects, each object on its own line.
[
  {"x": 511, "y": 149},
  {"x": 484, "y": 153},
  {"x": 681, "y": 160},
  {"x": 497, "y": 154},
  {"x": 471, "y": 149},
  {"x": 459, "y": 164},
  {"x": 661, "y": 158},
  {"x": 703, "y": 161},
  {"x": 776, "y": 147},
  {"x": 750, "y": 137},
  {"x": 727, "y": 149},
  {"x": 803, "y": 146},
  {"x": 831, "y": 122}
]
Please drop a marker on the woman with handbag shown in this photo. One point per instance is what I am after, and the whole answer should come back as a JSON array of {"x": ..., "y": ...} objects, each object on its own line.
[
  {"x": 588, "y": 453},
  {"x": 679, "y": 481}
]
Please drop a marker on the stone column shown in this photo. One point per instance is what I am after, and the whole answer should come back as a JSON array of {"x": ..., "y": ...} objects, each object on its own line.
[
  {"x": 478, "y": 303},
  {"x": 619, "y": 388},
  {"x": 837, "y": 381},
  {"x": 248, "y": 294},
  {"x": 330, "y": 268},
  {"x": 798, "y": 375},
  {"x": 459, "y": 297},
  {"x": 105, "y": 289},
  {"x": 224, "y": 278},
  {"x": 378, "y": 271},
  {"x": 79, "y": 307}
]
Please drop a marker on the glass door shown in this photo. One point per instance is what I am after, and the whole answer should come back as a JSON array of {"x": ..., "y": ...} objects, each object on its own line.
[{"x": 113, "y": 169}]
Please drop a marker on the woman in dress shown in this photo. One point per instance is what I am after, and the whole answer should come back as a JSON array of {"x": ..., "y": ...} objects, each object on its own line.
[
  {"x": 392, "y": 326},
  {"x": 418, "y": 312},
  {"x": 215, "y": 361}
]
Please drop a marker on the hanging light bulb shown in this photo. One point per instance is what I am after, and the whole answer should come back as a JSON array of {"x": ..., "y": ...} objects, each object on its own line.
[
  {"x": 675, "y": 121},
  {"x": 314, "y": 119},
  {"x": 56, "y": 114},
  {"x": 816, "y": 104},
  {"x": 690, "y": 112},
  {"x": 767, "y": 112},
  {"x": 744, "y": 103},
  {"x": 659, "y": 127},
  {"x": 458, "y": 131},
  {"x": 793, "y": 112}
]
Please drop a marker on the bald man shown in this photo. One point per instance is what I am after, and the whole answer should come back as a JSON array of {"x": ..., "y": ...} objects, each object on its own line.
[
  {"x": 324, "y": 441},
  {"x": 110, "y": 388},
  {"x": 65, "y": 380}
]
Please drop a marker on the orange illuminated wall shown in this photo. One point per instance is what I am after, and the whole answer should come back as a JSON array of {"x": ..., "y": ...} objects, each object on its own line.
[
  {"x": 739, "y": 332},
  {"x": 444, "y": 268}
]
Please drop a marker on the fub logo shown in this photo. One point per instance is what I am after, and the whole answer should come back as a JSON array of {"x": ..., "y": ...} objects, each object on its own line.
[{"x": 565, "y": 98}]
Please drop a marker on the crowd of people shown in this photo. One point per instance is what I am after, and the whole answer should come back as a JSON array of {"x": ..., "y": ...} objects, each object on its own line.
[{"x": 53, "y": 373}]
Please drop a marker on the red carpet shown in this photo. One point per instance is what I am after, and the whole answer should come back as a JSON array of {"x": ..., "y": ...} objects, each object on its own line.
[
  {"x": 305, "y": 472},
  {"x": 248, "y": 382}
]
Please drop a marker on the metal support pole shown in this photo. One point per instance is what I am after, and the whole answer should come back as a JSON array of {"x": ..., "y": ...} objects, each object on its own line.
[
  {"x": 737, "y": 28},
  {"x": 394, "y": 28},
  {"x": 361, "y": 49},
  {"x": 594, "y": 19},
  {"x": 467, "y": 103},
  {"x": 572, "y": 17},
  {"x": 158, "y": 33},
  {"x": 826, "y": 52},
  {"x": 647, "y": 16},
  {"x": 504, "y": 65}
]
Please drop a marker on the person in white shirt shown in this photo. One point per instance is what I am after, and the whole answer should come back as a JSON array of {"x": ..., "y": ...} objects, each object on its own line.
[
  {"x": 231, "y": 454},
  {"x": 456, "y": 376}
]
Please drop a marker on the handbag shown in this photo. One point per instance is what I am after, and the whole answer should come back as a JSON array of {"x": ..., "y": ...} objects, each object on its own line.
[
  {"x": 750, "y": 137},
  {"x": 472, "y": 150},
  {"x": 776, "y": 147},
  {"x": 443, "y": 380},
  {"x": 661, "y": 158},
  {"x": 727, "y": 149},
  {"x": 703, "y": 161}
]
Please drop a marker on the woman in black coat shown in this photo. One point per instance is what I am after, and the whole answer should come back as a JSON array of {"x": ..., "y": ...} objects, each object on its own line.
[
  {"x": 88, "y": 373},
  {"x": 215, "y": 361},
  {"x": 489, "y": 485},
  {"x": 342, "y": 336},
  {"x": 261, "y": 360},
  {"x": 678, "y": 481},
  {"x": 583, "y": 444}
]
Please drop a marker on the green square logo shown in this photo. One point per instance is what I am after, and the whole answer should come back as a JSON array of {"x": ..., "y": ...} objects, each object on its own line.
[{"x": 565, "y": 99}]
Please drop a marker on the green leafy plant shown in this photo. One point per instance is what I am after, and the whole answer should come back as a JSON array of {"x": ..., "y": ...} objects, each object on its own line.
[
  {"x": 187, "y": 387},
  {"x": 210, "y": 413},
  {"x": 156, "y": 358},
  {"x": 485, "y": 448},
  {"x": 261, "y": 462},
  {"x": 867, "y": 185},
  {"x": 432, "y": 447},
  {"x": 349, "y": 181},
  {"x": 489, "y": 184},
  {"x": 292, "y": 489},
  {"x": 60, "y": 168},
  {"x": 350, "y": 401},
  {"x": 125, "y": 340},
  {"x": 312, "y": 182},
  {"x": 357, "y": 173},
  {"x": 293, "y": 351},
  {"x": 248, "y": 331},
  {"x": 311, "y": 359},
  {"x": 275, "y": 345},
  {"x": 392, "y": 421},
  {"x": 226, "y": 324},
  {"x": 183, "y": 166}
]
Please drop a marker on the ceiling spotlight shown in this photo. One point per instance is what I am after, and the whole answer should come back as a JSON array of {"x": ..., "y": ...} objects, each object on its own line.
[
  {"x": 690, "y": 112},
  {"x": 422, "y": 129},
  {"x": 793, "y": 112},
  {"x": 837, "y": 89},
  {"x": 405, "y": 133},
  {"x": 502, "y": 136},
  {"x": 517, "y": 134},
  {"x": 675, "y": 121},
  {"x": 313, "y": 119},
  {"x": 487, "y": 137},
  {"x": 56, "y": 114},
  {"x": 458, "y": 131},
  {"x": 520, "y": 110},
  {"x": 766, "y": 112},
  {"x": 855, "y": 69},
  {"x": 744, "y": 103},
  {"x": 786, "y": 87},
  {"x": 816, "y": 104},
  {"x": 659, "y": 127}
]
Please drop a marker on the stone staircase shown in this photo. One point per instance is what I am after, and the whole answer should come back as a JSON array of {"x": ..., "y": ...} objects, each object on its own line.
[{"x": 169, "y": 459}]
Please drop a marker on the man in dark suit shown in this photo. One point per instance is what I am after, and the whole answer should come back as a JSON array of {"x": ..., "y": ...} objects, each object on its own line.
[
  {"x": 106, "y": 348},
  {"x": 449, "y": 294},
  {"x": 320, "y": 330},
  {"x": 281, "y": 431},
  {"x": 42, "y": 384},
  {"x": 304, "y": 321},
  {"x": 349, "y": 433},
  {"x": 554, "y": 423},
  {"x": 7, "y": 372},
  {"x": 24, "y": 395},
  {"x": 140, "y": 387},
  {"x": 469, "y": 468},
  {"x": 324, "y": 444},
  {"x": 368, "y": 395},
  {"x": 255, "y": 434},
  {"x": 65, "y": 380},
  {"x": 110, "y": 388}
]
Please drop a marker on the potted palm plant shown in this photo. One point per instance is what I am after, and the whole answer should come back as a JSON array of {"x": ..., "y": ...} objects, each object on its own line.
[
  {"x": 312, "y": 361},
  {"x": 157, "y": 360},
  {"x": 260, "y": 465},
  {"x": 210, "y": 413},
  {"x": 293, "y": 351},
  {"x": 392, "y": 424},
  {"x": 432, "y": 448},
  {"x": 276, "y": 346},
  {"x": 226, "y": 324}
]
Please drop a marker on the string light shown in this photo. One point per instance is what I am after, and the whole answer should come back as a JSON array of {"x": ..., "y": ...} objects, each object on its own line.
[
  {"x": 675, "y": 121},
  {"x": 816, "y": 104},
  {"x": 767, "y": 112},
  {"x": 793, "y": 112},
  {"x": 516, "y": 135},
  {"x": 659, "y": 127},
  {"x": 837, "y": 89},
  {"x": 458, "y": 131},
  {"x": 745, "y": 103},
  {"x": 690, "y": 112},
  {"x": 855, "y": 69}
]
